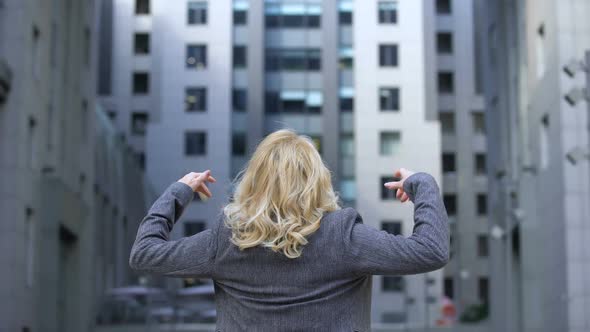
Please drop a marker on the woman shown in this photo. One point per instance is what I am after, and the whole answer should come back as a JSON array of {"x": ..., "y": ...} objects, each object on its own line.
[{"x": 284, "y": 256}]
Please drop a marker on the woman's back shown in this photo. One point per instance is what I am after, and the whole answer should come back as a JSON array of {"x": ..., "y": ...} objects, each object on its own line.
[{"x": 327, "y": 288}]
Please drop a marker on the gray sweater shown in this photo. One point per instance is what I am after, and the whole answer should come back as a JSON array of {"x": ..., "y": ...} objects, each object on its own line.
[{"x": 327, "y": 288}]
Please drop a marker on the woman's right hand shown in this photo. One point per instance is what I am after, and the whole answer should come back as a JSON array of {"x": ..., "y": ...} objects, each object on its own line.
[
  {"x": 198, "y": 181},
  {"x": 402, "y": 174}
]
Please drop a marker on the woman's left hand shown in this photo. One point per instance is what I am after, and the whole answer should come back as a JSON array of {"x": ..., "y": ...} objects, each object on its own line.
[{"x": 198, "y": 181}]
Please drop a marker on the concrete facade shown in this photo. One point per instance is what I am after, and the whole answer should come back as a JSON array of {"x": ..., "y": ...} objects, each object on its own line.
[
  {"x": 58, "y": 253},
  {"x": 467, "y": 274},
  {"x": 420, "y": 144},
  {"x": 539, "y": 257}
]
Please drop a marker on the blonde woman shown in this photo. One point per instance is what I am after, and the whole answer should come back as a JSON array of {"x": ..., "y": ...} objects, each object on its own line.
[{"x": 285, "y": 256}]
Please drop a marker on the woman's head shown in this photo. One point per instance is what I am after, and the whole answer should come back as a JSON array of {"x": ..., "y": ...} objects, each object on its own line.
[{"x": 281, "y": 196}]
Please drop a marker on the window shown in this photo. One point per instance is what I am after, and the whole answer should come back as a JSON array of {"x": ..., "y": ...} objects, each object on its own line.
[
  {"x": 387, "y": 12},
  {"x": 482, "y": 204},
  {"x": 483, "y": 290},
  {"x": 238, "y": 144},
  {"x": 37, "y": 60},
  {"x": 346, "y": 57},
  {"x": 142, "y": 7},
  {"x": 480, "y": 164},
  {"x": 195, "y": 143},
  {"x": 390, "y": 142},
  {"x": 294, "y": 101},
  {"x": 482, "y": 246},
  {"x": 142, "y": 43},
  {"x": 443, "y": 6},
  {"x": 141, "y": 160},
  {"x": 347, "y": 145},
  {"x": 392, "y": 284},
  {"x": 448, "y": 287},
  {"x": 239, "y": 100},
  {"x": 293, "y": 59},
  {"x": 388, "y": 55},
  {"x": 141, "y": 83},
  {"x": 448, "y": 161},
  {"x": 240, "y": 58},
  {"x": 446, "y": 82},
  {"x": 447, "y": 123},
  {"x": 479, "y": 124},
  {"x": 345, "y": 8},
  {"x": 196, "y": 56},
  {"x": 444, "y": 42},
  {"x": 346, "y": 99},
  {"x": 389, "y": 99},
  {"x": 450, "y": 201},
  {"x": 193, "y": 227},
  {"x": 292, "y": 15},
  {"x": 387, "y": 193},
  {"x": 317, "y": 142},
  {"x": 392, "y": 227},
  {"x": 348, "y": 189},
  {"x": 241, "y": 12},
  {"x": 112, "y": 114},
  {"x": 195, "y": 99},
  {"x": 139, "y": 121},
  {"x": 197, "y": 12}
]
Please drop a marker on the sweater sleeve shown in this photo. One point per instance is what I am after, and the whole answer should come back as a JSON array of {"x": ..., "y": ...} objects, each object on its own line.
[
  {"x": 153, "y": 252},
  {"x": 370, "y": 251}
]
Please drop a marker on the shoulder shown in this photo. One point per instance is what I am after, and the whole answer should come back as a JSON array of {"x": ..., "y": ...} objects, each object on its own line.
[{"x": 343, "y": 218}]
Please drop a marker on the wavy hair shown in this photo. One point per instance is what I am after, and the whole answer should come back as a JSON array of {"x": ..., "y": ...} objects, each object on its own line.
[{"x": 281, "y": 195}]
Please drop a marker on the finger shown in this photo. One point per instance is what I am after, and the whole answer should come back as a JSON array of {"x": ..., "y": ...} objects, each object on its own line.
[
  {"x": 398, "y": 173},
  {"x": 211, "y": 179},
  {"x": 399, "y": 194},
  {"x": 203, "y": 188},
  {"x": 393, "y": 185},
  {"x": 405, "y": 198}
]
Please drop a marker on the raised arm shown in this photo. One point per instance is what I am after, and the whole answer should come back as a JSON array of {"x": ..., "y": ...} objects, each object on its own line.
[
  {"x": 153, "y": 252},
  {"x": 370, "y": 251}
]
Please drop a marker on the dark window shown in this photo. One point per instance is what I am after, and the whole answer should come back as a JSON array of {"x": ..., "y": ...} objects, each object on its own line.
[
  {"x": 142, "y": 43},
  {"x": 293, "y": 101},
  {"x": 195, "y": 143},
  {"x": 345, "y": 17},
  {"x": 482, "y": 246},
  {"x": 196, "y": 56},
  {"x": 346, "y": 104},
  {"x": 483, "y": 290},
  {"x": 388, "y": 55},
  {"x": 482, "y": 204},
  {"x": 446, "y": 82},
  {"x": 480, "y": 164},
  {"x": 112, "y": 114},
  {"x": 387, "y": 12},
  {"x": 479, "y": 123},
  {"x": 139, "y": 121},
  {"x": 443, "y": 6},
  {"x": 238, "y": 144},
  {"x": 193, "y": 227},
  {"x": 448, "y": 160},
  {"x": 239, "y": 100},
  {"x": 448, "y": 287},
  {"x": 195, "y": 99},
  {"x": 293, "y": 59},
  {"x": 392, "y": 227},
  {"x": 392, "y": 284},
  {"x": 444, "y": 42},
  {"x": 447, "y": 122},
  {"x": 197, "y": 12},
  {"x": 389, "y": 99},
  {"x": 450, "y": 201},
  {"x": 240, "y": 17},
  {"x": 306, "y": 18},
  {"x": 387, "y": 193},
  {"x": 141, "y": 160},
  {"x": 142, "y": 7},
  {"x": 141, "y": 83},
  {"x": 240, "y": 56}
]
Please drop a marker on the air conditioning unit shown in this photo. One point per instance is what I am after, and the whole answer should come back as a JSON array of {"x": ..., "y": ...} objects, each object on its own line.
[{"x": 5, "y": 81}]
